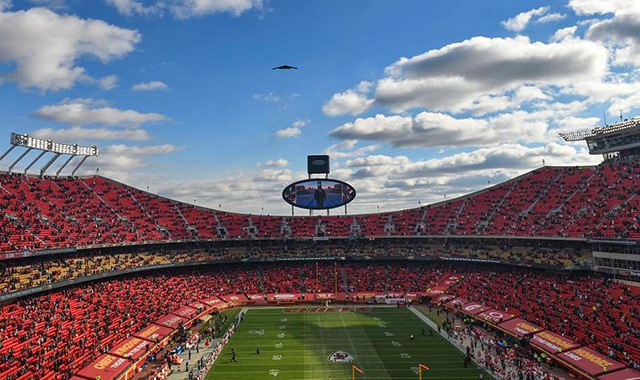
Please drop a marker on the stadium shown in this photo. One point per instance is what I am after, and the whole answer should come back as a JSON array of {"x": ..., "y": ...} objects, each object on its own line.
[{"x": 533, "y": 276}]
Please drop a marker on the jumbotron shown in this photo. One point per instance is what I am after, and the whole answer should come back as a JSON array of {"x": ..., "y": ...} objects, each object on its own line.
[{"x": 535, "y": 277}]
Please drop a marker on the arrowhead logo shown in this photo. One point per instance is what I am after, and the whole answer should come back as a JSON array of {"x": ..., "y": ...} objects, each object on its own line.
[{"x": 341, "y": 357}]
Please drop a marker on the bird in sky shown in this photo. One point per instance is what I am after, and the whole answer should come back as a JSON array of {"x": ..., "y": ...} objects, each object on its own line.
[{"x": 285, "y": 67}]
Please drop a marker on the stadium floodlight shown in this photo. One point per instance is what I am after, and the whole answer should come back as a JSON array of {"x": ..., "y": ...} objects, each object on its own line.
[
  {"x": 47, "y": 146},
  {"x": 593, "y": 132}
]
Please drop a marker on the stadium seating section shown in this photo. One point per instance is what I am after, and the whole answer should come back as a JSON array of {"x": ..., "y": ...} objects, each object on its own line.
[
  {"x": 549, "y": 202},
  {"x": 52, "y": 336}
]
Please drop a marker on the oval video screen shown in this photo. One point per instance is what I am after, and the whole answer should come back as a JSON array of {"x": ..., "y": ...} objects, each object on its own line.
[{"x": 319, "y": 194}]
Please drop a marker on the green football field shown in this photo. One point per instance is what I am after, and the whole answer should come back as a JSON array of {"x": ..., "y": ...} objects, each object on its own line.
[{"x": 299, "y": 345}]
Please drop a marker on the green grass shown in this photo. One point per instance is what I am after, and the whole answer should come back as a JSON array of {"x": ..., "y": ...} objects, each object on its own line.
[
  {"x": 309, "y": 339},
  {"x": 230, "y": 313}
]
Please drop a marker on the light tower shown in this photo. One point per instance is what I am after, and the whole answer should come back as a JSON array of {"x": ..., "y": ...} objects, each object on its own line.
[
  {"x": 619, "y": 139},
  {"x": 30, "y": 143}
]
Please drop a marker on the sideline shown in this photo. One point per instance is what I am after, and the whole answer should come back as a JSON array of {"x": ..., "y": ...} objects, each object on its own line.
[{"x": 431, "y": 324}]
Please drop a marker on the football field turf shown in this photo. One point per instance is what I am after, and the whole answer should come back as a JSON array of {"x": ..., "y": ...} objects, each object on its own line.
[{"x": 298, "y": 343}]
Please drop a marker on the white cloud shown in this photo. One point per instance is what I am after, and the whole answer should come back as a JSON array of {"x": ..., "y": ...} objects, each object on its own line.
[
  {"x": 551, "y": 17},
  {"x": 186, "y": 8},
  {"x": 109, "y": 82},
  {"x": 270, "y": 97},
  {"x": 428, "y": 129},
  {"x": 279, "y": 163},
  {"x": 563, "y": 33},
  {"x": 529, "y": 93},
  {"x": 288, "y": 133},
  {"x": 131, "y": 7},
  {"x": 622, "y": 32},
  {"x": 194, "y": 8},
  {"x": 457, "y": 77},
  {"x": 300, "y": 123},
  {"x": 88, "y": 111},
  {"x": 52, "y": 4},
  {"x": 150, "y": 86},
  {"x": 352, "y": 102},
  {"x": 76, "y": 133},
  {"x": 520, "y": 21},
  {"x": 45, "y": 47},
  {"x": 292, "y": 131},
  {"x": 589, "y": 7},
  {"x": 5, "y": 4},
  {"x": 347, "y": 149}
]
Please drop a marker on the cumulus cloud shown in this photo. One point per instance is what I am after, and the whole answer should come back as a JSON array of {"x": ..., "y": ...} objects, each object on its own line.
[
  {"x": 279, "y": 163},
  {"x": 551, "y": 17},
  {"x": 5, "y": 4},
  {"x": 88, "y": 111},
  {"x": 520, "y": 21},
  {"x": 76, "y": 133},
  {"x": 186, "y": 8},
  {"x": 347, "y": 149},
  {"x": 288, "y": 133},
  {"x": 300, "y": 123},
  {"x": 150, "y": 86},
  {"x": 351, "y": 102},
  {"x": 590, "y": 7},
  {"x": 109, "y": 82},
  {"x": 52, "y": 4},
  {"x": 131, "y": 7},
  {"x": 429, "y": 129},
  {"x": 563, "y": 33},
  {"x": 292, "y": 131},
  {"x": 456, "y": 76},
  {"x": 45, "y": 47}
]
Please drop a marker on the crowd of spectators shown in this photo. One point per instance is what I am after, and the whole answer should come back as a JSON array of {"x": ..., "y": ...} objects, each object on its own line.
[
  {"x": 15, "y": 276},
  {"x": 47, "y": 213},
  {"x": 53, "y": 335},
  {"x": 589, "y": 309}
]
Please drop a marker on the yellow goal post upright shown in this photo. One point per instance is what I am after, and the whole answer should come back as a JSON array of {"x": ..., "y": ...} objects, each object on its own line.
[
  {"x": 420, "y": 367},
  {"x": 353, "y": 371}
]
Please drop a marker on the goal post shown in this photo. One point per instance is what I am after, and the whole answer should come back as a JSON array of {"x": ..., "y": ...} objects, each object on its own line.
[
  {"x": 420, "y": 367},
  {"x": 353, "y": 371}
]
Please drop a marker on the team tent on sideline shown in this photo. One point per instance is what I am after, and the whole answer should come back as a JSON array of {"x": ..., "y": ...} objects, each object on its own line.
[
  {"x": 153, "y": 333},
  {"x": 186, "y": 312},
  {"x": 553, "y": 343},
  {"x": 131, "y": 348},
  {"x": 170, "y": 320},
  {"x": 108, "y": 367},
  {"x": 494, "y": 316},
  {"x": 473, "y": 308},
  {"x": 590, "y": 362},
  {"x": 519, "y": 327}
]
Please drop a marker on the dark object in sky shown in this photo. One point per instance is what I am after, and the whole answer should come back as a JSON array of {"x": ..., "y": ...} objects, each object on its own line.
[{"x": 285, "y": 67}]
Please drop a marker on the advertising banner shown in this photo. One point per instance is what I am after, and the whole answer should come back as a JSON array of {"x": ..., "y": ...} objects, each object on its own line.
[
  {"x": 494, "y": 316},
  {"x": 131, "y": 348},
  {"x": 552, "y": 342},
  {"x": 153, "y": 333},
  {"x": 519, "y": 327},
  {"x": 589, "y": 361},
  {"x": 186, "y": 312},
  {"x": 108, "y": 367},
  {"x": 171, "y": 321}
]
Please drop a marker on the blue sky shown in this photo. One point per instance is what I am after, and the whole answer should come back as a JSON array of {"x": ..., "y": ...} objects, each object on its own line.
[{"x": 180, "y": 97}]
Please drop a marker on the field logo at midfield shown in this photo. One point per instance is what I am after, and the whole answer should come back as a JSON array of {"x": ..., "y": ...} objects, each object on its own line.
[{"x": 341, "y": 357}]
